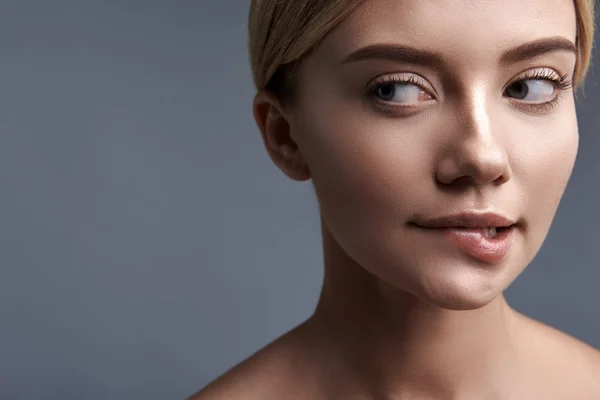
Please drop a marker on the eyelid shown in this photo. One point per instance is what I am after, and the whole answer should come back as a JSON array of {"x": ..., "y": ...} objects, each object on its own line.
[
  {"x": 560, "y": 82},
  {"x": 541, "y": 73},
  {"x": 402, "y": 77}
]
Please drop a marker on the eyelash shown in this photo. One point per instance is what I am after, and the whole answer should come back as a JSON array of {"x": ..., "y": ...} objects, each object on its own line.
[{"x": 561, "y": 83}]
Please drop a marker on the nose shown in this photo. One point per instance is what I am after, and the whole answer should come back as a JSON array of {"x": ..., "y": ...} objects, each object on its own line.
[{"x": 474, "y": 152}]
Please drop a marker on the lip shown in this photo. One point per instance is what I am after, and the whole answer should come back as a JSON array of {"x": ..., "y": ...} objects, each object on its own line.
[
  {"x": 467, "y": 219},
  {"x": 465, "y": 231}
]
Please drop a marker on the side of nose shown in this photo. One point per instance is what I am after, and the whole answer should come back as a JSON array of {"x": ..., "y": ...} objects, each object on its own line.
[{"x": 475, "y": 153}]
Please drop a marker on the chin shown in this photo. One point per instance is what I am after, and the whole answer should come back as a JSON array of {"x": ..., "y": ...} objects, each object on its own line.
[
  {"x": 459, "y": 301},
  {"x": 463, "y": 290}
]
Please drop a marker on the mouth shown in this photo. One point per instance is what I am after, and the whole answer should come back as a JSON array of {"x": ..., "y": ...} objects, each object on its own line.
[
  {"x": 488, "y": 231},
  {"x": 466, "y": 220},
  {"x": 491, "y": 245},
  {"x": 497, "y": 228}
]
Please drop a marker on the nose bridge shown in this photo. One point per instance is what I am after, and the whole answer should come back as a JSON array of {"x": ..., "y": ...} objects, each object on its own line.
[
  {"x": 477, "y": 150},
  {"x": 474, "y": 119}
]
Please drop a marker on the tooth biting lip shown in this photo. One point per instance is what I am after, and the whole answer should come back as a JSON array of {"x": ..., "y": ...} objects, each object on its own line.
[
  {"x": 472, "y": 229},
  {"x": 492, "y": 232},
  {"x": 492, "y": 246},
  {"x": 497, "y": 228},
  {"x": 487, "y": 237}
]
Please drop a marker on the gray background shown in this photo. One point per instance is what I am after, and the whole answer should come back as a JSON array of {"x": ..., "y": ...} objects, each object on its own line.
[{"x": 147, "y": 241}]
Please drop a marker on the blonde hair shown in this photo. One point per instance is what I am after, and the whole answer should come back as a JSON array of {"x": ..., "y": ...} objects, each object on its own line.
[{"x": 283, "y": 32}]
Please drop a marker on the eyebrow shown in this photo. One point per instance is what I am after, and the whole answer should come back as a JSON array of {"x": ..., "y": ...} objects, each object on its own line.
[{"x": 432, "y": 58}]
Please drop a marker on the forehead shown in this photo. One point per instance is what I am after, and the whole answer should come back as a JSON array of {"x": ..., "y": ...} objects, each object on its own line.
[{"x": 468, "y": 31}]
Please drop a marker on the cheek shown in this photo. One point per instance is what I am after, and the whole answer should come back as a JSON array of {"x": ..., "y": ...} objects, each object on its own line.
[
  {"x": 546, "y": 164},
  {"x": 370, "y": 176},
  {"x": 362, "y": 168}
]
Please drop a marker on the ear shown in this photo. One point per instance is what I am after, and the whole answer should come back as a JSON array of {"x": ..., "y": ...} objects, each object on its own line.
[{"x": 275, "y": 128}]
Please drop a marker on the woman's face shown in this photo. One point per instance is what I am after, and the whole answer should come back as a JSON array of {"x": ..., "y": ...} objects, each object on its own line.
[{"x": 392, "y": 137}]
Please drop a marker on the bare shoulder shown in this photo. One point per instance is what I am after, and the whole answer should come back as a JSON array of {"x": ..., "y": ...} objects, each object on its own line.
[
  {"x": 272, "y": 373},
  {"x": 570, "y": 364}
]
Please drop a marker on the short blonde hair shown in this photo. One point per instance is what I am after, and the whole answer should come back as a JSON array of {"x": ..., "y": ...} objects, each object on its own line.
[{"x": 282, "y": 32}]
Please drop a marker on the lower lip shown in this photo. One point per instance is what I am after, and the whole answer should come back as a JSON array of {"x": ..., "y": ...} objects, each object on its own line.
[{"x": 473, "y": 242}]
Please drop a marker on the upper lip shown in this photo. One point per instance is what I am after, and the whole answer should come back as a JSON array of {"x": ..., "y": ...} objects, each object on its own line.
[{"x": 467, "y": 220}]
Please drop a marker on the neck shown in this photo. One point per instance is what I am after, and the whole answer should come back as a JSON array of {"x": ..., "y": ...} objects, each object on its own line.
[{"x": 391, "y": 344}]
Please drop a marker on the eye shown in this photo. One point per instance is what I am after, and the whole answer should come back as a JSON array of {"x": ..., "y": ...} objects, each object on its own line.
[
  {"x": 540, "y": 89},
  {"x": 407, "y": 91},
  {"x": 532, "y": 90},
  {"x": 404, "y": 93}
]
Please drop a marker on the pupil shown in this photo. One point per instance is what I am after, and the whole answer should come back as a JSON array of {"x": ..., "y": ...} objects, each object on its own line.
[
  {"x": 518, "y": 90},
  {"x": 386, "y": 92}
]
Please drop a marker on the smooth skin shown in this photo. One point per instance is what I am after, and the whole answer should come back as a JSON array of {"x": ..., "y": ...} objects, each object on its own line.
[{"x": 403, "y": 314}]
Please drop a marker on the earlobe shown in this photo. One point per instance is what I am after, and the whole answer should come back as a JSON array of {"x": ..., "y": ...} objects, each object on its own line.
[{"x": 275, "y": 128}]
